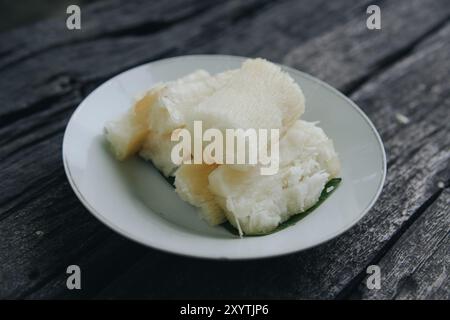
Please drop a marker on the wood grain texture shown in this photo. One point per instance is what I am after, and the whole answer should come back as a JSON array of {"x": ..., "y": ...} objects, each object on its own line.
[
  {"x": 398, "y": 70},
  {"x": 349, "y": 54},
  {"x": 38, "y": 108},
  {"x": 417, "y": 265},
  {"x": 36, "y": 129},
  {"x": 330, "y": 270},
  {"x": 104, "y": 19},
  {"x": 431, "y": 279},
  {"x": 277, "y": 30}
]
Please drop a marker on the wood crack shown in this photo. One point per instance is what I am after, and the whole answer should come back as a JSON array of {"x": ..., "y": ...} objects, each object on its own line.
[
  {"x": 333, "y": 47},
  {"x": 390, "y": 60},
  {"x": 143, "y": 29},
  {"x": 41, "y": 105},
  {"x": 407, "y": 280},
  {"x": 353, "y": 284},
  {"x": 61, "y": 269},
  {"x": 40, "y": 184},
  {"x": 251, "y": 11}
]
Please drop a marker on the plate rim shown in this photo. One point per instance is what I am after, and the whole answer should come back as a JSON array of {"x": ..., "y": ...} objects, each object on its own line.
[{"x": 205, "y": 255}]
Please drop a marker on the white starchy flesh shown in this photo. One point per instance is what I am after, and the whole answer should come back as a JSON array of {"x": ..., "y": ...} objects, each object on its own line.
[
  {"x": 314, "y": 145},
  {"x": 257, "y": 204},
  {"x": 257, "y": 96},
  {"x": 157, "y": 148},
  {"x": 178, "y": 98},
  {"x": 169, "y": 111},
  {"x": 148, "y": 125},
  {"x": 192, "y": 185},
  {"x": 127, "y": 134},
  {"x": 124, "y": 136}
]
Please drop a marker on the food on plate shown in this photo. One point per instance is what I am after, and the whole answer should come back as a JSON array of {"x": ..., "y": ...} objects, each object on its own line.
[
  {"x": 147, "y": 127},
  {"x": 259, "y": 95},
  {"x": 258, "y": 204}
]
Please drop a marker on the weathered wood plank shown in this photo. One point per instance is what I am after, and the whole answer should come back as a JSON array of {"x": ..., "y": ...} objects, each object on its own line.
[
  {"x": 52, "y": 86},
  {"x": 47, "y": 233},
  {"x": 101, "y": 19},
  {"x": 108, "y": 259},
  {"x": 43, "y": 86},
  {"x": 431, "y": 279},
  {"x": 58, "y": 87},
  {"x": 418, "y": 265},
  {"x": 316, "y": 273},
  {"x": 419, "y": 154},
  {"x": 35, "y": 95},
  {"x": 349, "y": 54},
  {"x": 99, "y": 59},
  {"x": 31, "y": 167},
  {"x": 277, "y": 31}
]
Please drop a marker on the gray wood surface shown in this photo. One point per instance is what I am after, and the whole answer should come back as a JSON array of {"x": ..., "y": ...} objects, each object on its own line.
[
  {"x": 400, "y": 70},
  {"x": 407, "y": 271}
]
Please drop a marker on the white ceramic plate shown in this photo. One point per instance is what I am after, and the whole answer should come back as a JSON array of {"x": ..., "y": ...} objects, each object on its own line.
[{"x": 133, "y": 199}]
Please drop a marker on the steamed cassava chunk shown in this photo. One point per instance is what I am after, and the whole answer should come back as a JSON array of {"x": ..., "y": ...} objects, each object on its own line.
[
  {"x": 127, "y": 134},
  {"x": 314, "y": 145},
  {"x": 258, "y": 95},
  {"x": 191, "y": 184},
  {"x": 148, "y": 125},
  {"x": 177, "y": 99},
  {"x": 257, "y": 204},
  {"x": 168, "y": 114}
]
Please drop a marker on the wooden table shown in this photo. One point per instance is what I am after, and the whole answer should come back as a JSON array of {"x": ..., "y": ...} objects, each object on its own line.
[{"x": 399, "y": 76}]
